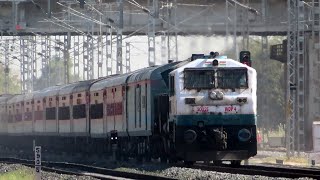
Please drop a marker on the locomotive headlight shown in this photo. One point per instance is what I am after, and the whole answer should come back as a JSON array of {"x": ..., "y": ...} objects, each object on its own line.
[
  {"x": 244, "y": 135},
  {"x": 241, "y": 100},
  {"x": 220, "y": 95},
  {"x": 213, "y": 95}
]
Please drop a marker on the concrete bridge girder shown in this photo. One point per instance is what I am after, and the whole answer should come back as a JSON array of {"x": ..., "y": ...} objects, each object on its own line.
[{"x": 193, "y": 17}]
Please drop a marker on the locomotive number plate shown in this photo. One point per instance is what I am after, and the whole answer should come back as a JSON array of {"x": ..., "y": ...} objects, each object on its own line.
[{"x": 217, "y": 109}]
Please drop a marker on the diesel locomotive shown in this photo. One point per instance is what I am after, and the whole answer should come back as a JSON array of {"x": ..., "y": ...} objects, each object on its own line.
[{"x": 201, "y": 109}]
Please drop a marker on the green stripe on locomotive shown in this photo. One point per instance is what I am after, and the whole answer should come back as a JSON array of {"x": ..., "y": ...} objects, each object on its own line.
[{"x": 211, "y": 119}]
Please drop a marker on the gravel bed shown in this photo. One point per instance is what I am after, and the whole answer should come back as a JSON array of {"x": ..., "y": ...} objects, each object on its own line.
[
  {"x": 156, "y": 169},
  {"x": 5, "y": 168},
  {"x": 196, "y": 174},
  {"x": 279, "y": 154}
]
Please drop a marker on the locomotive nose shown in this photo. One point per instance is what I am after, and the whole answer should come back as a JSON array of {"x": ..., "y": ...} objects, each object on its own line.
[{"x": 190, "y": 136}]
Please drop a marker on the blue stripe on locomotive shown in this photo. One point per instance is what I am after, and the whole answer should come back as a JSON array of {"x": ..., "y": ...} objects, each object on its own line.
[{"x": 211, "y": 119}]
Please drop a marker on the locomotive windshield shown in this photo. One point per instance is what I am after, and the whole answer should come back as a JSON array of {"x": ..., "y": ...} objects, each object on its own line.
[
  {"x": 232, "y": 78},
  {"x": 227, "y": 78},
  {"x": 199, "y": 79}
]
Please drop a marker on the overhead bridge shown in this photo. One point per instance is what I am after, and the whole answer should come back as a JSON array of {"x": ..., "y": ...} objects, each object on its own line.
[{"x": 184, "y": 17}]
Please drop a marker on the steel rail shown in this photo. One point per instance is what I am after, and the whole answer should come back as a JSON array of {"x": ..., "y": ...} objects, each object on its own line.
[
  {"x": 83, "y": 170},
  {"x": 263, "y": 170}
]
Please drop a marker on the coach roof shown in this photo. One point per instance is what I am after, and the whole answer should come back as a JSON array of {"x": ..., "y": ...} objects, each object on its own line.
[
  {"x": 16, "y": 99},
  {"x": 50, "y": 91},
  {"x": 110, "y": 82},
  {"x": 83, "y": 85},
  {"x": 151, "y": 73}
]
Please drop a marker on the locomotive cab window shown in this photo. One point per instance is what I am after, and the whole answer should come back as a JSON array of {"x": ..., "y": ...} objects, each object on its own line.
[
  {"x": 198, "y": 79},
  {"x": 232, "y": 78}
]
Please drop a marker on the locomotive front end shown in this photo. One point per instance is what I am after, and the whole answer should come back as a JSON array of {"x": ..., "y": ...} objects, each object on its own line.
[{"x": 213, "y": 107}]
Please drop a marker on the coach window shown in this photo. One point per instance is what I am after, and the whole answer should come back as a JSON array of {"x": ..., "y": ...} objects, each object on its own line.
[
  {"x": 64, "y": 113},
  {"x": 51, "y": 113},
  {"x": 78, "y": 101},
  {"x": 96, "y": 111},
  {"x": 79, "y": 111}
]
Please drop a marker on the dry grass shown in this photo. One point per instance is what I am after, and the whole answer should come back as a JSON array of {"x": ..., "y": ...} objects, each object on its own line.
[{"x": 21, "y": 174}]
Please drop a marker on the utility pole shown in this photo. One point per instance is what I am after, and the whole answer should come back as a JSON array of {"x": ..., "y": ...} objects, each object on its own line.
[
  {"x": 152, "y": 16},
  {"x": 291, "y": 75},
  {"x": 128, "y": 69},
  {"x": 119, "y": 37},
  {"x": 6, "y": 67},
  {"x": 172, "y": 35}
]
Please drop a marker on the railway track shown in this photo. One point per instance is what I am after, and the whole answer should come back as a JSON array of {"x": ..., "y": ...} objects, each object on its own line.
[
  {"x": 103, "y": 173},
  {"x": 83, "y": 170},
  {"x": 265, "y": 170}
]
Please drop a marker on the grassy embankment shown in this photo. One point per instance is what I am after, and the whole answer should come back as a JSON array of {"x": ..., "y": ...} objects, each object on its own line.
[{"x": 20, "y": 174}]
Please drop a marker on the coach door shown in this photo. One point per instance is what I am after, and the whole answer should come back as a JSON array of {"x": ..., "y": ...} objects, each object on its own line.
[
  {"x": 161, "y": 103},
  {"x": 138, "y": 107}
]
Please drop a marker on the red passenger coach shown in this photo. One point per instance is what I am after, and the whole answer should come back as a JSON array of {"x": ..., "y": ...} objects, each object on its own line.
[
  {"x": 114, "y": 104},
  {"x": 18, "y": 107},
  {"x": 80, "y": 108},
  {"x": 50, "y": 103},
  {"x": 107, "y": 102},
  {"x": 3, "y": 114},
  {"x": 11, "y": 115},
  {"x": 65, "y": 106},
  {"x": 28, "y": 113},
  {"x": 97, "y": 110},
  {"x": 39, "y": 112}
]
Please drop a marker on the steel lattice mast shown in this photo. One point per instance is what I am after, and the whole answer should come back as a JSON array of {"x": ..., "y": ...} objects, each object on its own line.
[{"x": 291, "y": 80}]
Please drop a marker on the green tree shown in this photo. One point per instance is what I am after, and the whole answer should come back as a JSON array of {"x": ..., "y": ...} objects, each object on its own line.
[
  {"x": 271, "y": 84},
  {"x": 13, "y": 83},
  {"x": 56, "y": 71}
]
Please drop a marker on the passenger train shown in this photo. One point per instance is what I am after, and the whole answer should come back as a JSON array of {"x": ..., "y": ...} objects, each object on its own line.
[{"x": 201, "y": 109}]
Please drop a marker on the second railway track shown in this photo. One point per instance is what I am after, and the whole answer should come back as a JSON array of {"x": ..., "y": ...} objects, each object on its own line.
[
  {"x": 84, "y": 170},
  {"x": 104, "y": 173},
  {"x": 263, "y": 170}
]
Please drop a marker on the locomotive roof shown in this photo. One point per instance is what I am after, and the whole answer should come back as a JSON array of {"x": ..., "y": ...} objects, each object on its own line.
[{"x": 206, "y": 63}]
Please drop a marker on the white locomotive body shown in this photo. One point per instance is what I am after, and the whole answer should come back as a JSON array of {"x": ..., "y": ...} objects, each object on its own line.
[{"x": 213, "y": 107}]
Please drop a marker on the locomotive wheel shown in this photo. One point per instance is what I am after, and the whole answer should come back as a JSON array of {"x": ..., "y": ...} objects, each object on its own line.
[
  {"x": 188, "y": 163},
  {"x": 217, "y": 163},
  {"x": 235, "y": 163},
  {"x": 163, "y": 159}
]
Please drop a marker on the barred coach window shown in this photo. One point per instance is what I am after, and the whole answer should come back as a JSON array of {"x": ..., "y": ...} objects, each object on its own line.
[
  {"x": 64, "y": 113},
  {"x": 51, "y": 113},
  {"x": 79, "y": 111},
  {"x": 96, "y": 111}
]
